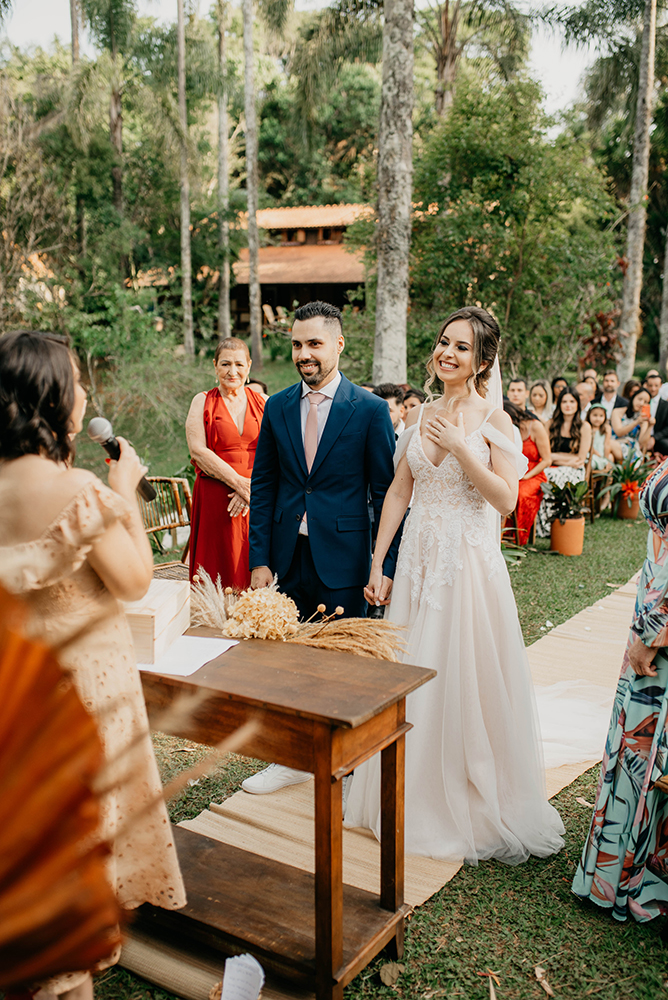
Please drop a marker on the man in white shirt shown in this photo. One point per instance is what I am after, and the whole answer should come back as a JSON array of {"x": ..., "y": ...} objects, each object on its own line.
[
  {"x": 394, "y": 397},
  {"x": 610, "y": 400}
]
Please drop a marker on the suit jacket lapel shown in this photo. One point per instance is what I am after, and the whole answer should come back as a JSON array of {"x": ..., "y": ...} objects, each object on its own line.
[
  {"x": 341, "y": 411},
  {"x": 293, "y": 423}
]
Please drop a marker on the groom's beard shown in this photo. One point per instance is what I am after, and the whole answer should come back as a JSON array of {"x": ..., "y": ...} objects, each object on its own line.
[{"x": 318, "y": 375}]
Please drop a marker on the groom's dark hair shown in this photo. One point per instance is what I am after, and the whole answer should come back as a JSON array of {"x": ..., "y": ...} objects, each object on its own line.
[{"x": 331, "y": 314}]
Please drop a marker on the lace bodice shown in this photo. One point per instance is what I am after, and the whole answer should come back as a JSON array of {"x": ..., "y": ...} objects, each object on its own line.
[{"x": 447, "y": 512}]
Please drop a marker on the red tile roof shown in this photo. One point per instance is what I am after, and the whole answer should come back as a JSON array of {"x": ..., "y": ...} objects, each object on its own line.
[
  {"x": 307, "y": 216},
  {"x": 304, "y": 265}
]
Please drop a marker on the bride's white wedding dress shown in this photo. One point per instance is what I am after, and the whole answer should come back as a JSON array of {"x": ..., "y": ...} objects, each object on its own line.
[{"x": 475, "y": 785}]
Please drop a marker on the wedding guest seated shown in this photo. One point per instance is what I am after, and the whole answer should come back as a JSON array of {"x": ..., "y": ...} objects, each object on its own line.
[
  {"x": 633, "y": 426},
  {"x": 369, "y": 386},
  {"x": 610, "y": 399},
  {"x": 558, "y": 385},
  {"x": 653, "y": 382},
  {"x": 394, "y": 397},
  {"x": 570, "y": 442},
  {"x": 257, "y": 385},
  {"x": 590, "y": 375},
  {"x": 222, "y": 431},
  {"x": 585, "y": 393},
  {"x": 536, "y": 448},
  {"x": 518, "y": 393},
  {"x": 413, "y": 399},
  {"x": 601, "y": 442},
  {"x": 630, "y": 387},
  {"x": 540, "y": 400}
]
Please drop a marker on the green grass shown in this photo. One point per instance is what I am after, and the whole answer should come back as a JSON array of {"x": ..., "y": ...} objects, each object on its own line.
[{"x": 493, "y": 917}]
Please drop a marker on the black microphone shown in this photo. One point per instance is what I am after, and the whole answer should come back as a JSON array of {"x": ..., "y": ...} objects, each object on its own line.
[{"x": 100, "y": 430}]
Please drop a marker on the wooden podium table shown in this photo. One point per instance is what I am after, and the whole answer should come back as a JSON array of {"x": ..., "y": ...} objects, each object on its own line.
[{"x": 319, "y": 711}]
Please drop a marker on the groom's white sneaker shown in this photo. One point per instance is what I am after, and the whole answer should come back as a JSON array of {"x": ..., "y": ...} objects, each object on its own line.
[{"x": 272, "y": 778}]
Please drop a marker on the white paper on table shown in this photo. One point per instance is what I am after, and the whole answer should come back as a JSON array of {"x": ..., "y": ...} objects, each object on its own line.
[
  {"x": 243, "y": 978},
  {"x": 187, "y": 654}
]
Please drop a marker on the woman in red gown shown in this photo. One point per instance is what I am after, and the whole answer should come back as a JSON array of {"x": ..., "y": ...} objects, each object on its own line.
[
  {"x": 536, "y": 449},
  {"x": 222, "y": 430}
]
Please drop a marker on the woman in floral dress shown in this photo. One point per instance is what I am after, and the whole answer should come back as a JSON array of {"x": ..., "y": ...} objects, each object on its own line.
[{"x": 624, "y": 866}]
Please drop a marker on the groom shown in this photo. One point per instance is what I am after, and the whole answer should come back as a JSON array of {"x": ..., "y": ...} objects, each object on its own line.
[{"x": 325, "y": 447}]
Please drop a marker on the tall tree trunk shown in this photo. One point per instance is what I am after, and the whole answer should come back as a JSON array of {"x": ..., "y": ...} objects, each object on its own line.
[
  {"x": 447, "y": 56},
  {"x": 224, "y": 326},
  {"x": 663, "y": 322},
  {"x": 74, "y": 18},
  {"x": 629, "y": 322},
  {"x": 116, "y": 133},
  {"x": 186, "y": 261},
  {"x": 254, "y": 299},
  {"x": 395, "y": 168}
]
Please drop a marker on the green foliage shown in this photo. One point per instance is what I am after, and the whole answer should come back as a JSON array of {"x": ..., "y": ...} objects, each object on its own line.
[
  {"x": 514, "y": 221},
  {"x": 627, "y": 478},
  {"x": 565, "y": 502},
  {"x": 337, "y": 164}
]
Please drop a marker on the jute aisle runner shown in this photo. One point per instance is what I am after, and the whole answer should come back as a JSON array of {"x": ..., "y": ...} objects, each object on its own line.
[{"x": 587, "y": 648}]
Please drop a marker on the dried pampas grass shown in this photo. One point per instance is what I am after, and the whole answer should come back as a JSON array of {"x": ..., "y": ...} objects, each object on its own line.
[
  {"x": 361, "y": 636},
  {"x": 269, "y": 614},
  {"x": 208, "y": 601}
]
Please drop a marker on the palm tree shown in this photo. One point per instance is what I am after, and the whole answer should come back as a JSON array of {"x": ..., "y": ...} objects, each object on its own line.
[
  {"x": 274, "y": 13},
  {"x": 224, "y": 326},
  {"x": 250, "y": 113},
  {"x": 186, "y": 259},
  {"x": 395, "y": 171},
  {"x": 607, "y": 23},
  {"x": 629, "y": 322},
  {"x": 111, "y": 23},
  {"x": 74, "y": 19},
  {"x": 450, "y": 27}
]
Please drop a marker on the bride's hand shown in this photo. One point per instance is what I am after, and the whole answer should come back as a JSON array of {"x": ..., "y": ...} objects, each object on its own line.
[
  {"x": 448, "y": 436},
  {"x": 378, "y": 589}
]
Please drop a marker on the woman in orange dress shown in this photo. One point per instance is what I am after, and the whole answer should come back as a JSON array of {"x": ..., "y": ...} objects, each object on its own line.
[{"x": 222, "y": 430}]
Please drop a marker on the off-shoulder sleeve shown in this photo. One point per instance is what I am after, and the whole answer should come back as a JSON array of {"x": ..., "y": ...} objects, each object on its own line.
[
  {"x": 63, "y": 547},
  {"x": 508, "y": 447},
  {"x": 403, "y": 443}
]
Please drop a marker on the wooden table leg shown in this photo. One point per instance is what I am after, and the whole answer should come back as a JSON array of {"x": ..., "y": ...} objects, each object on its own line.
[
  {"x": 328, "y": 871},
  {"x": 392, "y": 833}
]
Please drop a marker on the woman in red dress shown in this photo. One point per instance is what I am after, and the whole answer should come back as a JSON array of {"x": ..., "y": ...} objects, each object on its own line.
[
  {"x": 222, "y": 429},
  {"x": 536, "y": 449}
]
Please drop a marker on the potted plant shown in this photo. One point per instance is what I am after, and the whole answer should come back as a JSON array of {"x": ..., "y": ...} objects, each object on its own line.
[
  {"x": 628, "y": 478},
  {"x": 566, "y": 509}
]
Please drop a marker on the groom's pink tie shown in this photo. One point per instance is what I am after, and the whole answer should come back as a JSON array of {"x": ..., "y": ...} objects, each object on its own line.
[{"x": 311, "y": 430}]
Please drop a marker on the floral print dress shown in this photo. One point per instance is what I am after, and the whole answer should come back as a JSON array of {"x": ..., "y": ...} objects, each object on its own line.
[{"x": 624, "y": 865}]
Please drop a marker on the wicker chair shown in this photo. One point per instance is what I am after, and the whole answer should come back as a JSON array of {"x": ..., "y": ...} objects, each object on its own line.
[{"x": 171, "y": 508}]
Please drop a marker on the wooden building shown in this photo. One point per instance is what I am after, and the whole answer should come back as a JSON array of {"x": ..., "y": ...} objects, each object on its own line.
[{"x": 304, "y": 258}]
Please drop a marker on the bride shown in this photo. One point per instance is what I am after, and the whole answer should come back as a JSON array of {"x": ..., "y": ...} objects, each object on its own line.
[{"x": 474, "y": 774}]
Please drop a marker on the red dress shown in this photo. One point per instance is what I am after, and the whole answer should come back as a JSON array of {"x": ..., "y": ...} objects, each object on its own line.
[
  {"x": 219, "y": 543},
  {"x": 530, "y": 494}
]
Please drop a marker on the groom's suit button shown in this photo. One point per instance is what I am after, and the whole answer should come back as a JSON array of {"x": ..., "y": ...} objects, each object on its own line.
[
  {"x": 298, "y": 518},
  {"x": 309, "y": 489}
]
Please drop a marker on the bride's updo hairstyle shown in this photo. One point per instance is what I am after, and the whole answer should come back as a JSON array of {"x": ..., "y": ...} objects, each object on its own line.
[
  {"x": 36, "y": 395},
  {"x": 486, "y": 335}
]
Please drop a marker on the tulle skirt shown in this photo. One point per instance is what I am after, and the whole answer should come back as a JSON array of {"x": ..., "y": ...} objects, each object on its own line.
[{"x": 475, "y": 786}]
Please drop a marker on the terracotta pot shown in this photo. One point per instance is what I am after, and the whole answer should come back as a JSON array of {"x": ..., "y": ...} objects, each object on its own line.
[
  {"x": 626, "y": 512},
  {"x": 568, "y": 538}
]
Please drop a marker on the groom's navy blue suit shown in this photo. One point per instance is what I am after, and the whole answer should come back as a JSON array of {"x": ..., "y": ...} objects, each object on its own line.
[{"x": 354, "y": 461}]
